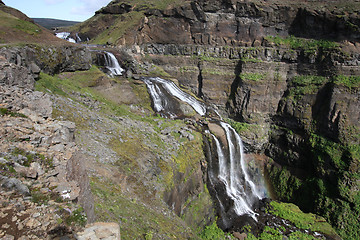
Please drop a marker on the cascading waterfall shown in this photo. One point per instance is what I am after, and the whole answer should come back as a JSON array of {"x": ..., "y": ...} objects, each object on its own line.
[
  {"x": 112, "y": 64},
  {"x": 232, "y": 171},
  {"x": 155, "y": 86}
]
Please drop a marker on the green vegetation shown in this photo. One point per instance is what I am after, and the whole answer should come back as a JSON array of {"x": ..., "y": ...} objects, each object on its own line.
[
  {"x": 137, "y": 220},
  {"x": 256, "y": 77},
  {"x": 348, "y": 81},
  {"x": 18, "y": 25},
  {"x": 77, "y": 217},
  {"x": 119, "y": 28},
  {"x": 301, "y": 220},
  {"x": 337, "y": 201},
  {"x": 213, "y": 232},
  {"x": 5, "y": 111},
  {"x": 244, "y": 128},
  {"x": 308, "y": 45},
  {"x": 307, "y": 84},
  {"x": 33, "y": 157}
]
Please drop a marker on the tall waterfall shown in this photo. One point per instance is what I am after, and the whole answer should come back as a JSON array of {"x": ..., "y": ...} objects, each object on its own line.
[
  {"x": 112, "y": 64},
  {"x": 229, "y": 174}
]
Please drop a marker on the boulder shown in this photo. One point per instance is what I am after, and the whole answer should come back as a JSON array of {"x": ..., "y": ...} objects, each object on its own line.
[
  {"x": 14, "y": 184},
  {"x": 100, "y": 230}
]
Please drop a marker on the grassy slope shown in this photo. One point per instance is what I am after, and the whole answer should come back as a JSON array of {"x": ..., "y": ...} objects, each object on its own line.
[
  {"x": 129, "y": 187},
  {"x": 16, "y": 27}
]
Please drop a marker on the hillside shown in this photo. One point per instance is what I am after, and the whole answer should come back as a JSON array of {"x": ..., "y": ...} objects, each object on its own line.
[
  {"x": 16, "y": 27},
  {"x": 133, "y": 151},
  {"x": 50, "y": 23}
]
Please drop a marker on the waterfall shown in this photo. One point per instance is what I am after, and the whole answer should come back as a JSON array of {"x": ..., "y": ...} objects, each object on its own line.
[
  {"x": 65, "y": 36},
  {"x": 112, "y": 64},
  {"x": 230, "y": 169},
  {"x": 234, "y": 191},
  {"x": 160, "y": 103}
]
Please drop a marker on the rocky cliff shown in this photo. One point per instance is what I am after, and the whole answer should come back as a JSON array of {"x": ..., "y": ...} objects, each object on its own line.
[
  {"x": 286, "y": 71},
  {"x": 288, "y": 68}
]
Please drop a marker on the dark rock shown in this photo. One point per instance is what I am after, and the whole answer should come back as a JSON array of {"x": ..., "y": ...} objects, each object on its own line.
[{"x": 115, "y": 8}]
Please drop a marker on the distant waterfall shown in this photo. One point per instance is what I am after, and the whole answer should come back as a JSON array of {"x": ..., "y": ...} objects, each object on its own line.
[
  {"x": 230, "y": 170},
  {"x": 112, "y": 64},
  {"x": 65, "y": 36}
]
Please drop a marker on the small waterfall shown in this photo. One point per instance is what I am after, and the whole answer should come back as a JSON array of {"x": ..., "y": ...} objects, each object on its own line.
[
  {"x": 112, "y": 64},
  {"x": 229, "y": 175}
]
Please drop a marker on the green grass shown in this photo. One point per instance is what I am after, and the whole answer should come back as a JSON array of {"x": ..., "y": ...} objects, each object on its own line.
[
  {"x": 5, "y": 111},
  {"x": 136, "y": 219},
  {"x": 9, "y": 21},
  {"x": 308, "y": 45},
  {"x": 347, "y": 81},
  {"x": 256, "y": 77}
]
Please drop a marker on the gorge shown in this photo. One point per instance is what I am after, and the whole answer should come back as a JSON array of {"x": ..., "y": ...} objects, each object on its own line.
[{"x": 160, "y": 93}]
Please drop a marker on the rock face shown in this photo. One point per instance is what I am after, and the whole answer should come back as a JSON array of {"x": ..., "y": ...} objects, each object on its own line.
[
  {"x": 50, "y": 60},
  {"x": 234, "y": 23},
  {"x": 251, "y": 60},
  {"x": 13, "y": 75}
]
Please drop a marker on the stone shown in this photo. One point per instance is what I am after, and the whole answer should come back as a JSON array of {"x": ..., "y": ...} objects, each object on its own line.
[
  {"x": 32, "y": 223},
  {"x": 16, "y": 185},
  {"x": 100, "y": 230},
  {"x": 35, "y": 166},
  {"x": 8, "y": 237}
]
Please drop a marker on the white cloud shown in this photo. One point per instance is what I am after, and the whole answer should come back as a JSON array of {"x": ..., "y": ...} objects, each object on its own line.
[{"x": 87, "y": 7}]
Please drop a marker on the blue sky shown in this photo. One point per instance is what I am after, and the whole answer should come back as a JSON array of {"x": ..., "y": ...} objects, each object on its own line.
[{"x": 76, "y": 10}]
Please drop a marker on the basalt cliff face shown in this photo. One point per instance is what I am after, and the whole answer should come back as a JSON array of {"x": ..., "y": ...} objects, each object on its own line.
[{"x": 288, "y": 71}]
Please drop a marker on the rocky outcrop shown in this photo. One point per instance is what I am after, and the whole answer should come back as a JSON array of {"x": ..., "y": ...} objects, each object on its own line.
[
  {"x": 115, "y": 8},
  {"x": 39, "y": 164},
  {"x": 14, "y": 75},
  {"x": 50, "y": 60}
]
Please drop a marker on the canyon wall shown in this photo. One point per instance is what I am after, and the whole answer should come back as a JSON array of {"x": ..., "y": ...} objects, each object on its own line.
[{"x": 290, "y": 69}]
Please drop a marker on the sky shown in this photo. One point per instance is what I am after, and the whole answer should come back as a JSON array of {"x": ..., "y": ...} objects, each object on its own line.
[{"x": 75, "y": 10}]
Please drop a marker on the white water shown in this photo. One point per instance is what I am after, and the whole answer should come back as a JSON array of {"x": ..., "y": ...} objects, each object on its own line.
[
  {"x": 175, "y": 91},
  {"x": 233, "y": 190},
  {"x": 65, "y": 36},
  {"x": 112, "y": 64},
  {"x": 232, "y": 170}
]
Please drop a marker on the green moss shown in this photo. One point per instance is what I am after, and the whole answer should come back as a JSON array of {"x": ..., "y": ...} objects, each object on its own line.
[
  {"x": 305, "y": 85},
  {"x": 286, "y": 185},
  {"x": 213, "y": 232},
  {"x": 207, "y": 71},
  {"x": 301, "y": 220}
]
